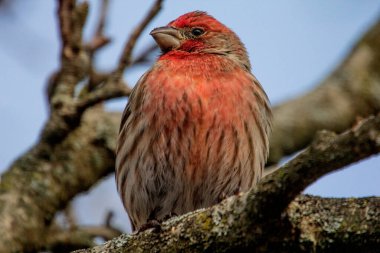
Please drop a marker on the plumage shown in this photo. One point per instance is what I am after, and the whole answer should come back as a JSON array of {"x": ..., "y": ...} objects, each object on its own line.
[{"x": 196, "y": 126}]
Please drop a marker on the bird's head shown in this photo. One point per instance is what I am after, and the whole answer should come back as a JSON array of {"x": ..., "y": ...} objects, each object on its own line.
[{"x": 197, "y": 32}]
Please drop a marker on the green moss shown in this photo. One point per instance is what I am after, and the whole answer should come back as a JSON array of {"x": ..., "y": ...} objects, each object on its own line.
[{"x": 204, "y": 221}]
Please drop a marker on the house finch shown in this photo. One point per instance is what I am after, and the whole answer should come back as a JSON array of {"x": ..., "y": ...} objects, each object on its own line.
[{"x": 195, "y": 129}]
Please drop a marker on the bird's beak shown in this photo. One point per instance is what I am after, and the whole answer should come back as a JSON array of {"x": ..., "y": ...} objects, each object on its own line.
[{"x": 167, "y": 37}]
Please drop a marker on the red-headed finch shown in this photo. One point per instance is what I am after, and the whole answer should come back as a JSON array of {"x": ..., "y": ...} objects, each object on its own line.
[{"x": 195, "y": 129}]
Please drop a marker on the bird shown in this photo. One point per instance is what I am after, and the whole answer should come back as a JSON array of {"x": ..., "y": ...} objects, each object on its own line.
[{"x": 196, "y": 127}]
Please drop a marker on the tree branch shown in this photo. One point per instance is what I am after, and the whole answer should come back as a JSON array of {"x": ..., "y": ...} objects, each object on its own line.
[
  {"x": 144, "y": 55},
  {"x": 310, "y": 224},
  {"x": 126, "y": 56},
  {"x": 75, "y": 66},
  {"x": 67, "y": 235},
  {"x": 332, "y": 225},
  {"x": 99, "y": 40},
  {"x": 351, "y": 91},
  {"x": 35, "y": 188},
  {"x": 81, "y": 237},
  {"x": 65, "y": 10},
  {"x": 107, "y": 91}
]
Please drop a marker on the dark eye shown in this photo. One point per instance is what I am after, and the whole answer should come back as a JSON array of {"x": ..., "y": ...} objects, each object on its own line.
[{"x": 197, "y": 32}]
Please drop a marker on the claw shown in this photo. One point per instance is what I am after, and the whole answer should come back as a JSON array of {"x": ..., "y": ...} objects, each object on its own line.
[
  {"x": 168, "y": 216},
  {"x": 151, "y": 224}
]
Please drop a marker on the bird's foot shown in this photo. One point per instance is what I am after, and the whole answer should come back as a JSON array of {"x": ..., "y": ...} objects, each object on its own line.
[
  {"x": 168, "y": 216},
  {"x": 151, "y": 224},
  {"x": 155, "y": 224}
]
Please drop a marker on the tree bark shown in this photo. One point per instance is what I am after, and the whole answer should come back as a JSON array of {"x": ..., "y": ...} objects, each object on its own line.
[
  {"x": 35, "y": 188},
  {"x": 310, "y": 224}
]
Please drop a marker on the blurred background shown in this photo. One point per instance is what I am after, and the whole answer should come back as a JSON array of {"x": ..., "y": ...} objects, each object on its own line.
[{"x": 292, "y": 44}]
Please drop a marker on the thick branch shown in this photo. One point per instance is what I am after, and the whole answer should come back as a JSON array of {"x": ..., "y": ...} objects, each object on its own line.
[
  {"x": 249, "y": 220},
  {"x": 327, "y": 153},
  {"x": 34, "y": 188},
  {"x": 351, "y": 91},
  {"x": 333, "y": 225},
  {"x": 75, "y": 66},
  {"x": 311, "y": 224}
]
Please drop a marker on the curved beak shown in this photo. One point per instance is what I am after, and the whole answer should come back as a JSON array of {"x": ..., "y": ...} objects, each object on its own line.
[{"x": 166, "y": 37}]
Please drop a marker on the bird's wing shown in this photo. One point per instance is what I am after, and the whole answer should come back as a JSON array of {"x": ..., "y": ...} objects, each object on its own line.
[{"x": 128, "y": 109}]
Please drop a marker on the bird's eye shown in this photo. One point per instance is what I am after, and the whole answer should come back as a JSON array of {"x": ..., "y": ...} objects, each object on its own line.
[{"x": 197, "y": 32}]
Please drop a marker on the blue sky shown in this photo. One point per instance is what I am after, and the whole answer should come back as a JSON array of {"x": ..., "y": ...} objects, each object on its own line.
[{"x": 292, "y": 44}]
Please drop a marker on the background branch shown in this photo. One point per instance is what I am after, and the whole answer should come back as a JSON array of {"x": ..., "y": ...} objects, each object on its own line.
[
  {"x": 34, "y": 188},
  {"x": 106, "y": 92},
  {"x": 99, "y": 40},
  {"x": 126, "y": 56},
  {"x": 351, "y": 91},
  {"x": 143, "y": 57},
  {"x": 67, "y": 235}
]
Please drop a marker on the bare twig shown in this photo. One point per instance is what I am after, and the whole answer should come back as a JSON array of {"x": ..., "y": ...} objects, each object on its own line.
[
  {"x": 112, "y": 86},
  {"x": 108, "y": 219},
  {"x": 99, "y": 40},
  {"x": 107, "y": 233},
  {"x": 108, "y": 91},
  {"x": 65, "y": 10},
  {"x": 142, "y": 58},
  {"x": 97, "y": 43},
  {"x": 126, "y": 57},
  {"x": 102, "y": 18}
]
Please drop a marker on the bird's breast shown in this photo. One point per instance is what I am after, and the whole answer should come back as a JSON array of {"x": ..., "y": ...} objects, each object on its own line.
[
  {"x": 199, "y": 111},
  {"x": 195, "y": 95}
]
